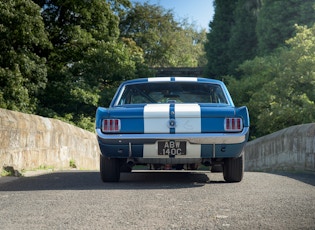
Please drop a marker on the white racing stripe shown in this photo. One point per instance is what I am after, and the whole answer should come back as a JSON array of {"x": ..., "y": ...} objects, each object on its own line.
[
  {"x": 188, "y": 118},
  {"x": 185, "y": 79},
  {"x": 156, "y": 118},
  {"x": 153, "y": 79}
]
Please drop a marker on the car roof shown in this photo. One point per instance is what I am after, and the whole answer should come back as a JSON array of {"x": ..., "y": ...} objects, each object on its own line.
[{"x": 172, "y": 79}]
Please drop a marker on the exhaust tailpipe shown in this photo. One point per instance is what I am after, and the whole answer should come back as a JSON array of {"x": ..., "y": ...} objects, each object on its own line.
[
  {"x": 207, "y": 162},
  {"x": 131, "y": 162}
]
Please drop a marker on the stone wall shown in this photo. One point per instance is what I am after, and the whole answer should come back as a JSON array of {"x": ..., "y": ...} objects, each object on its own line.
[
  {"x": 292, "y": 148},
  {"x": 30, "y": 141}
]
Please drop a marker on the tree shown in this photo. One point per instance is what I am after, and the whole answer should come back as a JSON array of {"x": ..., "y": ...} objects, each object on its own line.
[
  {"x": 279, "y": 88},
  {"x": 164, "y": 41},
  {"x": 75, "y": 26},
  {"x": 22, "y": 66},
  {"x": 87, "y": 58},
  {"x": 217, "y": 45},
  {"x": 243, "y": 29},
  {"x": 243, "y": 40},
  {"x": 189, "y": 48},
  {"x": 276, "y": 20}
]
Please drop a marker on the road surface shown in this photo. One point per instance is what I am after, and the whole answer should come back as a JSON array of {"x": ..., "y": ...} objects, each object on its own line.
[{"x": 158, "y": 200}]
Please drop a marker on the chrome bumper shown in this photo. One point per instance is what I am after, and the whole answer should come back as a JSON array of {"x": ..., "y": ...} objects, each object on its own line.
[{"x": 193, "y": 138}]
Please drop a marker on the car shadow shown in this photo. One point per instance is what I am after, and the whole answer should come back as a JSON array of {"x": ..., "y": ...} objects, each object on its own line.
[
  {"x": 90, "y": 180},
  {"x": 307, "y": 177}
]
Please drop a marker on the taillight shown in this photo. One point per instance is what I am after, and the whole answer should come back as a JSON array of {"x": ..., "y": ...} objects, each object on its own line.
[
  {"x": 233, "y": 124},
  {"x": 110, "y": 125}
]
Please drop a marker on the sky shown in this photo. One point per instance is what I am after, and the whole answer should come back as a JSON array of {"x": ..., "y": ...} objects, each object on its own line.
[{"x": 199, "y": 12}]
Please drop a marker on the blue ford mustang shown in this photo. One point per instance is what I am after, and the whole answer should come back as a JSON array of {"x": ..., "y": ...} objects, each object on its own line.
[{"x": 172, "y": 123}]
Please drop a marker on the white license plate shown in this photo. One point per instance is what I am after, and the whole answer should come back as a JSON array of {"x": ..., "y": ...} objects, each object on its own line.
[{"x": 172, "y": 148}]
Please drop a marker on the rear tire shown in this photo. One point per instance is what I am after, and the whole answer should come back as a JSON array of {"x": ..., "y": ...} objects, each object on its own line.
[
  {"x": 233, "y": 169},
  {"x": 109, "y": 169}
]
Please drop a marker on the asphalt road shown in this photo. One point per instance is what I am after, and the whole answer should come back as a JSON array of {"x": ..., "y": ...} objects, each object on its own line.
[{"x": 158, "y": 200}]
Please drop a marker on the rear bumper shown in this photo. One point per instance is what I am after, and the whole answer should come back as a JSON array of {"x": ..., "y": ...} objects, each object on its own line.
[
  {"x": 193, "y": 138},
  {"x": 199, "y": 146}
]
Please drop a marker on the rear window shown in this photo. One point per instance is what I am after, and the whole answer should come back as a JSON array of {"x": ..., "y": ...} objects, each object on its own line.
[{"x": 172, "y": 92}]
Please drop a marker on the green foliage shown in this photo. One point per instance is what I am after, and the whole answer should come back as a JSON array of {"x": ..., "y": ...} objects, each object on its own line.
[
  {"x": 87, "y": 58},
  {"x": 188, "y": 51},
  {"x": 279, "y": 88},
  {"x": 276, "y": 20},
  {"x": 22, "y": 67},
  {"x": 242, "y": 44},
  {"x": 72, "y": 164},
  {"x": 243, "y": 29},
  {"x": 7, "y": 171},
  {"x": 218, "y": 39},
  {"x": 164, "y": 41},
  {"x": 63, "y": 58},
  {"x": 268, "y": 62}
]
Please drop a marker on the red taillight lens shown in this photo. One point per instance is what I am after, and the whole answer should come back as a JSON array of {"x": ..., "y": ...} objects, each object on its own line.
[
  {"x": 233, "y": 124},
  {"x": 110, "y": 125}
]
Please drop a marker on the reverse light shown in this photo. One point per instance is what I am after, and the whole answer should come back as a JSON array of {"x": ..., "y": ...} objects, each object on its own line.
[
  {"x": 233, "y": 124},
  {"x": 110, "y": 125}
]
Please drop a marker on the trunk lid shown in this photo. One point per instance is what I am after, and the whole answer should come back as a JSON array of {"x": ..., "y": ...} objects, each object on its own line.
[{"x": 173, "y": 118}]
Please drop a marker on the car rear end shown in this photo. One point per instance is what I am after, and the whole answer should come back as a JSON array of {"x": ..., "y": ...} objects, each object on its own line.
[{"x": 180, "y": 129}]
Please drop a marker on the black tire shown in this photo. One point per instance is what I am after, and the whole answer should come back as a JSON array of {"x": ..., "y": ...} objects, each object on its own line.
[
  {"x": 109, "y": 169},
  {"x": 233, "y": 169}
]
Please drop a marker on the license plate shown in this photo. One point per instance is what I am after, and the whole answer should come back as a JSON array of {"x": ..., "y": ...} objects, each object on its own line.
[{"x": 172, "y": 148}]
